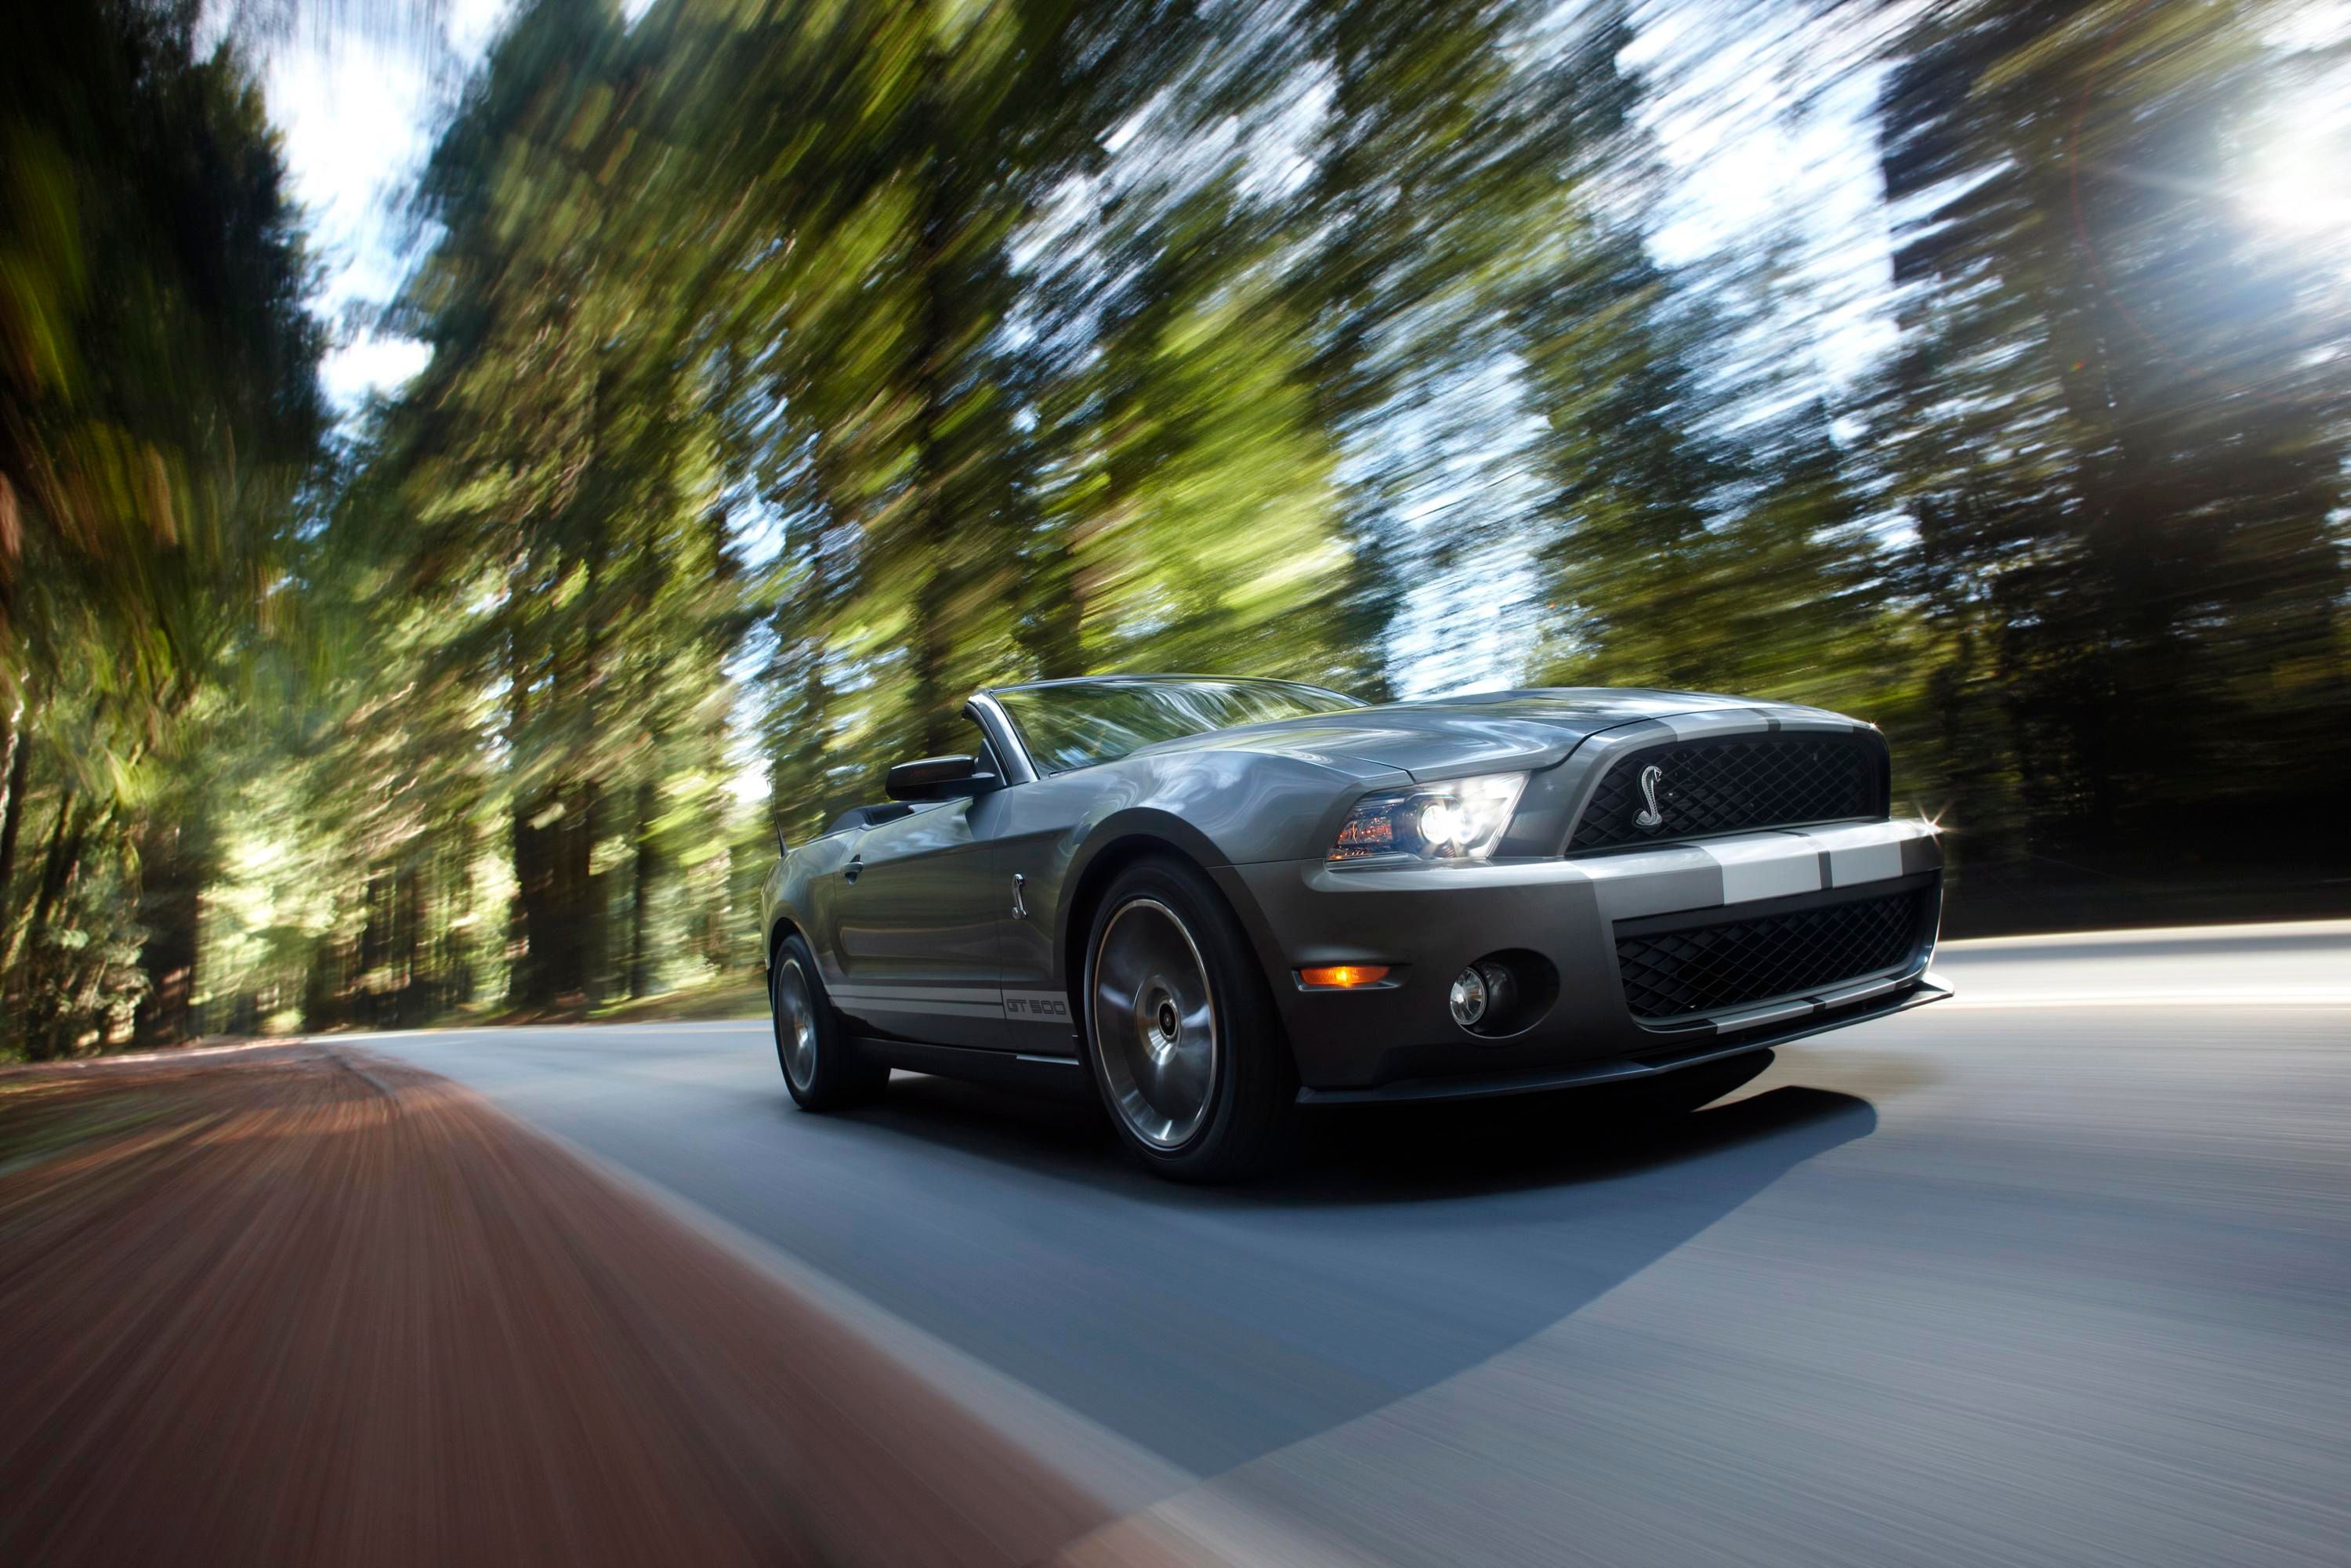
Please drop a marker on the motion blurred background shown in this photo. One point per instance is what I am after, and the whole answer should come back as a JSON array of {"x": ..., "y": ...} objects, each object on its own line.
[{"x": 462, "y": 464}]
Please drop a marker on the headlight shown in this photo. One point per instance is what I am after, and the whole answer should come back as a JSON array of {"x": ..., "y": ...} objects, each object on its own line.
[{"x": 1459, "y": 820}]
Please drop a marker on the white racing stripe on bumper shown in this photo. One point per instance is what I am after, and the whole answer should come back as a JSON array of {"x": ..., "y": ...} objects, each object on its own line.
[
  {"x": 1745, "y": 868},
  {"x": 1772, "y": 866},
  {"x": 1860, "y": 851}
]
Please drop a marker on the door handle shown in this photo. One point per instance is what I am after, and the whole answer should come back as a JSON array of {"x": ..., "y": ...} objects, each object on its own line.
[
  {"x": 1019, "y": 905},
  {"x": 849, "y": 872}
]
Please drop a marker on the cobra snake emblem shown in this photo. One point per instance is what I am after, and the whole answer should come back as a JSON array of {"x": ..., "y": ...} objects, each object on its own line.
[{"x": 1651, "y": 777}]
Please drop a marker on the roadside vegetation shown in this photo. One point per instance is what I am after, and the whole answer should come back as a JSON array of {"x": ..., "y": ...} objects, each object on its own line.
[{"x": 796, "y": 369}]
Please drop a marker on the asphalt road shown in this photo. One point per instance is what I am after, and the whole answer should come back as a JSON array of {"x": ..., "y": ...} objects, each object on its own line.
[{"x": 2059, "y": 1272}]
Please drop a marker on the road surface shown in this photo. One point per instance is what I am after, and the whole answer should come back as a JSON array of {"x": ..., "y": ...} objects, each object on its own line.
[{"x": 2057, "y": 1272}]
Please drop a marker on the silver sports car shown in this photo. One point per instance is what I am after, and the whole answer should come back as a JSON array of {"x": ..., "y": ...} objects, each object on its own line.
[{"x": 1210, "y": 901}]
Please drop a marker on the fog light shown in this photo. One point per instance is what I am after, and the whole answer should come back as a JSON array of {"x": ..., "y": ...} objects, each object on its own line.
[{"x": 1468, "y": 999}]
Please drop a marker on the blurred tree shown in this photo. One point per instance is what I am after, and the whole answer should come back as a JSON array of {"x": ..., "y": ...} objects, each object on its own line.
[
  {"x": 559, "y": 462},
  {"x": 881, "y": 395},
  {"x": 1703, "y": 529},
  {"x": 1449, "y": 133},
  {"x": 796, "y": 368},
  {"x": 2119, "y": 423},
  {"x": 159, "y": 414}
]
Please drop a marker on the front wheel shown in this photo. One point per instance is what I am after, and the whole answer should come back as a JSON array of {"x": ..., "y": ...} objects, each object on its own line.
[
  {"x": 1182, "y": 1035},
  {"x": 823, "y": 1067}
]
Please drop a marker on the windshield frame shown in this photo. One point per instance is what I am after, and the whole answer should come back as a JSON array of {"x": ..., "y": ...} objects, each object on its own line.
[{"x": 1037, "y": 763}]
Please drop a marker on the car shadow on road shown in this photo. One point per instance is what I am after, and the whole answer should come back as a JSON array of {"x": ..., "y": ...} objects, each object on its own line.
[
  {"x": 1384, "y": 1155},
  {"x": 1403, "y": 1245}
]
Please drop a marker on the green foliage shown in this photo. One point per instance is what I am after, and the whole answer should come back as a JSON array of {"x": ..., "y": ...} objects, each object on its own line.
[
  {"x": 159, "y": 420},
  {"x": 2120, "y": 422},
  {"x": 796, "y": 368}
]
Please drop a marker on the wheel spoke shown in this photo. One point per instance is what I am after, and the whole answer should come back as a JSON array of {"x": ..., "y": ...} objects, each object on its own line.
[
  {"x": 1154, "y": 1022},
  {"x": 795, "y": 1025}
]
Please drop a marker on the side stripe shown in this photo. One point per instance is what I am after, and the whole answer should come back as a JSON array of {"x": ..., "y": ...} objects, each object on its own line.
[
  {"x": 955, "y": 1001},
  {"x": 928, "y": 993},
  {"x": 929, "y": 1009}
]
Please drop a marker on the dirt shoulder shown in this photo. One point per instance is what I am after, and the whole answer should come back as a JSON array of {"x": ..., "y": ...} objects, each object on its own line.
[{"x": 290, "y": 1305}]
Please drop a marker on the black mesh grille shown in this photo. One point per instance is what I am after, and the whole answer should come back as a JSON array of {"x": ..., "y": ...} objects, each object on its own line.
[
  {"x": 1730, "y": 786},
  {"x": 1708, "y": 966}
]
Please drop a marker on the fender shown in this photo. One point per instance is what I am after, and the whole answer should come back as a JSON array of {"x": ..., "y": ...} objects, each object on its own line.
[{"x": 1118, "y": 827}]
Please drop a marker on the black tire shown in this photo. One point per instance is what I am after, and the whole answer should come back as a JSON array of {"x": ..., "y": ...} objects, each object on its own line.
[
  {"x": 1158, "y": 919},
  {"x": 822, "y": 1067}
]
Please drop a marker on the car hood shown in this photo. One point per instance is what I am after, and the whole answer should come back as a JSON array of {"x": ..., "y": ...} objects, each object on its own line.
[{"x": 1489, "y": 732}]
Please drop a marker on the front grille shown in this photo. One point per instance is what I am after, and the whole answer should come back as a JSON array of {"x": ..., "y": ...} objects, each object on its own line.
[
  {"x": 1732, "y": 786},
  {"x": 1670, "y": 973}
]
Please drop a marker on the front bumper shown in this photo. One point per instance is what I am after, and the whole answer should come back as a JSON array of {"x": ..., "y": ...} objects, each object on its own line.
[
  {"x": 1429, "y": 923},
  {"x": 1915, "y": 992}
]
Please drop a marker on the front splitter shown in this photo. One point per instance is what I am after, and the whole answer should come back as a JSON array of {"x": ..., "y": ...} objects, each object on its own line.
[{"x": 1928, "y": 988}]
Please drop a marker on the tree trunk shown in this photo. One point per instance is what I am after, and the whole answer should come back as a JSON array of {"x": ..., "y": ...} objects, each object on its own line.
[
  {"x": 45, "y": 987},
  {"x": 172, "y": 881},
  {"x": 553, "y": 896},
  {"x": 583, "y": 913},
  {"x": 11, "y": 815},
  {"x": 531, "y": 984},
  {"x": 57, "y": 864},
  {"x": 375, "y": 942},
  {"x": 455, "y": 935},
  {"x": 643, "y": 873},
  {"x": 408, "y": 996}
]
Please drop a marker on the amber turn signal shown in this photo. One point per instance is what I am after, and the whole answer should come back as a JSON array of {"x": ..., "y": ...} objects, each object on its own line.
[{"x": 1344, "y": 976}]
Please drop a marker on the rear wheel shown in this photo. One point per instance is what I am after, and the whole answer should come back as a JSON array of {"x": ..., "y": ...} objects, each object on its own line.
[
  {"x": 823, "y": 1067},
  {"x": 1182, "y": 1035}
]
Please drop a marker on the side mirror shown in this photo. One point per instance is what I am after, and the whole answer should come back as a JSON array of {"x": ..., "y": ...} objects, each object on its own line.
[{"x": 936, "y": 778}]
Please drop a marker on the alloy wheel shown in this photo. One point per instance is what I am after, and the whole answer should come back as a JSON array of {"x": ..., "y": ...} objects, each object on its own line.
[
  {"x": 795, "y": 1025},
  {"x": 1153, "y": 1021}
]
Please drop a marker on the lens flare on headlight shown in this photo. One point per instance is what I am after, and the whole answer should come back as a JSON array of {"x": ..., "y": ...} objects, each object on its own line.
[{"x": 1457, "y": 818}]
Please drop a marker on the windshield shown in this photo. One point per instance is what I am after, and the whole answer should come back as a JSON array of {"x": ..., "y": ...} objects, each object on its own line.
[{"x": 1081, "y": 723}]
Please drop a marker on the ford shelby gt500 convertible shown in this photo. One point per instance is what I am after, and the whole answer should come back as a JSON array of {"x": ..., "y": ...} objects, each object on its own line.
[{"x": 1208, "y": 901}]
